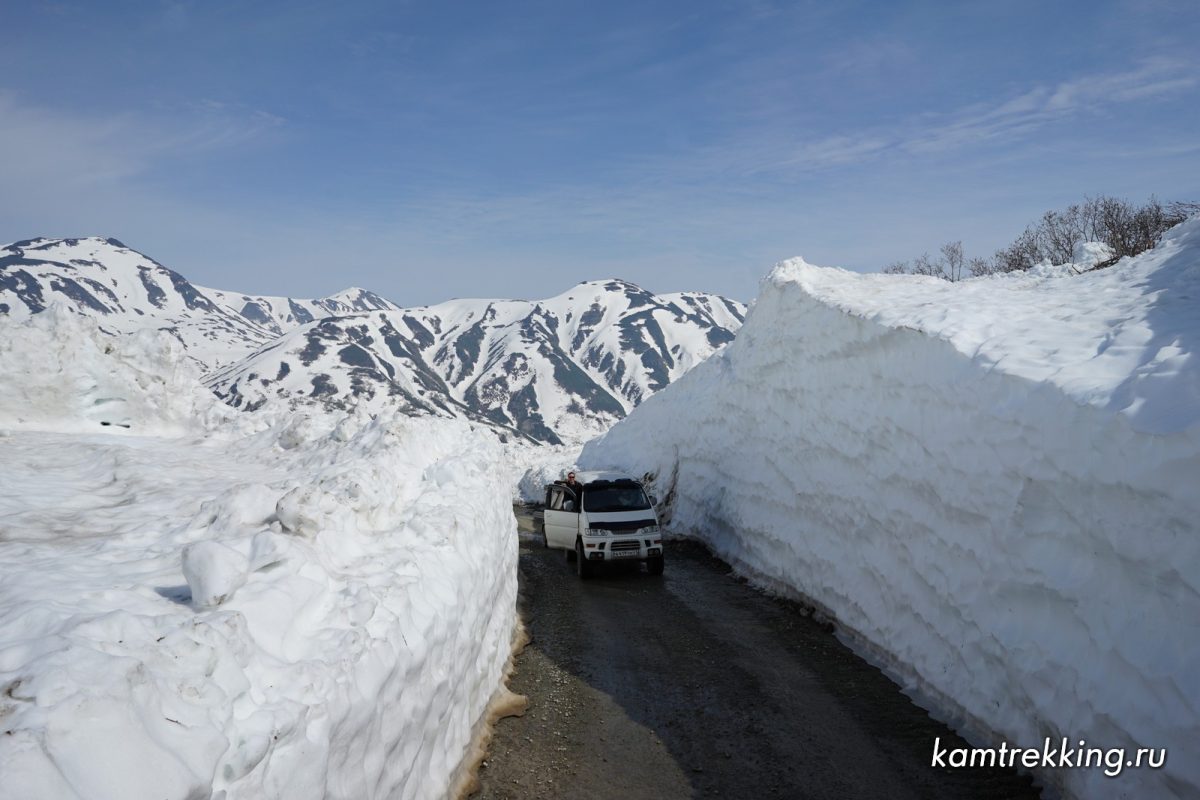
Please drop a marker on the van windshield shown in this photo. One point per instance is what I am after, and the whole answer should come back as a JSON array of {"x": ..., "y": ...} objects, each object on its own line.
[{"x": 615, "y": 498}]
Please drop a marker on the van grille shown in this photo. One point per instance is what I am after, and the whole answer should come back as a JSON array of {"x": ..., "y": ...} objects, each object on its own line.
[
  {"x": 623, "y": 525},
  {"x": 633, "y": 544}
]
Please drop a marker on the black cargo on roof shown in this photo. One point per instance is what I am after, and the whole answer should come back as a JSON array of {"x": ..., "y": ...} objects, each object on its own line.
[{"x": 604, "y": 484}]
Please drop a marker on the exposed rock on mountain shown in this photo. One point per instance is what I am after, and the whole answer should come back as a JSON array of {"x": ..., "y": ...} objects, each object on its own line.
[{"x": 561, "y": 369}]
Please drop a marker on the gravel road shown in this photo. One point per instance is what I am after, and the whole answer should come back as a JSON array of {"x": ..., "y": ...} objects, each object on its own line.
[{"x": 694, "y": 684}]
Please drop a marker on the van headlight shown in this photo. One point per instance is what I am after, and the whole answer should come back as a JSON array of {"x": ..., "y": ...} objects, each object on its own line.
[
  {"x": 594, "y": 532},
  {"x": 650, "y": 529}
]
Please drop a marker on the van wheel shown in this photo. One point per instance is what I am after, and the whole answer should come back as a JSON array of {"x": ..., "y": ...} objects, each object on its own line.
[
  {"x": 583, "y": 567},
  {"x": 655, "y": 565},
  {"x": 570, "y": 556}
]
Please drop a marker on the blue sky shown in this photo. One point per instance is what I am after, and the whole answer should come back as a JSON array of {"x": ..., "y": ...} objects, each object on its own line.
[{"x": 434, "y": 150}]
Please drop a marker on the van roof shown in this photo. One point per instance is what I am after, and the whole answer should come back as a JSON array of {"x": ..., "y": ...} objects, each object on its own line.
[{"x": 591, "y": 476}]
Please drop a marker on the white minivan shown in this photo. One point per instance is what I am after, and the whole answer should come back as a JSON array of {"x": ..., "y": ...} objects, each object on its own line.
[{"x": 613, "y": 521}]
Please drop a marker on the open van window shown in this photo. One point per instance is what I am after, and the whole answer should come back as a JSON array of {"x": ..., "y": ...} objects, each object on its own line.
[
  {"x": 560, "y": 498},
  {"x": 615, "y": 498}
]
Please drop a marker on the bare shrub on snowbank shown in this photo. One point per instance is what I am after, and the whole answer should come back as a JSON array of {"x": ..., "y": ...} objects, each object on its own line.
[{"x": 1127, "y": 229}]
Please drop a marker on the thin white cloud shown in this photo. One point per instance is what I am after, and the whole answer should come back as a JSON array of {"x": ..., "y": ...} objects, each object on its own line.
[
  {"x": 836, "y": 150},
  {"x": 44, "y": 145},
  {"x": 1154, "y": 77},
  {"x": 1004, "y": 120},
  {"x": 68, "y": 150},
  {"x": 869, "y": 56},
  {"x": 80, "y": 174},
  {"x": 698, "y": 189}
]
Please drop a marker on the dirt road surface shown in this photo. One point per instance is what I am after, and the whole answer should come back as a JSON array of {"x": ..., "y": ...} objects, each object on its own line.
[{"x": 694, "y": 684}]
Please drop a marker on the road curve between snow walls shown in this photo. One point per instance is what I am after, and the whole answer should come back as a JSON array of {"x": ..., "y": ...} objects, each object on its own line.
[{"x": 1012, "y": 547}]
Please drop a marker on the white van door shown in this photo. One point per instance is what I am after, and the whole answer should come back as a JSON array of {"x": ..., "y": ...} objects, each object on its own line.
[{"x": 561, "y": 517}]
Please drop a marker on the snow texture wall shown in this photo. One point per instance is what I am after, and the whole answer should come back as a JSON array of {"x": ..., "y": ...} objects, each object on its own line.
[
  {"x": 62, "y": 372},
  {"x": 308, "y": 607},
  {"x": 992, "y": 487},
  {"x": 318, "y": 614}
]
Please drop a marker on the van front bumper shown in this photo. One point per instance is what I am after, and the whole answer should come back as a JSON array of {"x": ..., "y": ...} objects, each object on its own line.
[{"x": 624, "y": 549}]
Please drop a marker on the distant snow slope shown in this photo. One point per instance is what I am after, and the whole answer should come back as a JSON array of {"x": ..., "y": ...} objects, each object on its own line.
[
  {"x": 568, "y": 367},
  {"x": 992, "y": 486},
  {"x": 125, "y": 291},
  {"x": 556, "y": 370},
  {"x": 279, "y": 314},
  {"x": 562, "y": 369},
  {"x": 359, "y": 361},
  {"x": 321, "y": 607}
]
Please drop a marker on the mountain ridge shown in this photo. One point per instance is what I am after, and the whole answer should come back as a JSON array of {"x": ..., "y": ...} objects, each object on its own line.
[{"x": 557, "y": 370}]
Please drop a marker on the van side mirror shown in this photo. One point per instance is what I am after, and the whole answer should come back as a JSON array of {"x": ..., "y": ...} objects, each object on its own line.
[
  {"x": 568, "y": 505},
  {"x": 653, "y": 500}
]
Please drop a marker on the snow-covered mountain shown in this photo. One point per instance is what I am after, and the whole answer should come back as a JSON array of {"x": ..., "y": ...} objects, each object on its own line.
[
  {"x": 338, "y": 362},
  {"x": 126, "y": 291},
  {"x": 559, "y": 369},
  {"x": 279, "y": 314},
  {"x": 562, "y": 369}
]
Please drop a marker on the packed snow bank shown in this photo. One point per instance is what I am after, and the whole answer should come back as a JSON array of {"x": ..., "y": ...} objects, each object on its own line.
[
  {"x": 532, "y": 467},
  {"x": 1122, "y": 339},
  {"x": 991, "y": 486},
  {"x": 317, "y": 613},
  {"x": 62, "y": 372}
]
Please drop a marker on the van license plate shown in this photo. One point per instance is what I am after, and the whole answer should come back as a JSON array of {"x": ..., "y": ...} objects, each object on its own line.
[{"x": 626, "y": 553}]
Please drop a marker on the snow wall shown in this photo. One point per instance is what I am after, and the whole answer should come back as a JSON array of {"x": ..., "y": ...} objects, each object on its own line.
[
  {"x": 62, "y": 372},
  {"x": 322, "y": 608},
  {"x": 992, "y": 487}
]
